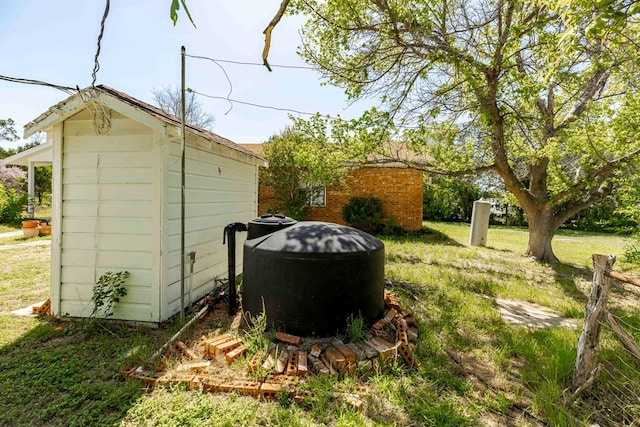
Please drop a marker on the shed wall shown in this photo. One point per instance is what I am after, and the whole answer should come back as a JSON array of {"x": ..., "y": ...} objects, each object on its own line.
[
  {"x": 109, "y": 212},
  {"x": 220, "y": 191}
]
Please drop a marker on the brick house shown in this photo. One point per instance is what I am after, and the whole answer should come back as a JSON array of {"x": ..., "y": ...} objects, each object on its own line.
[{"x": 398, "y": 187}]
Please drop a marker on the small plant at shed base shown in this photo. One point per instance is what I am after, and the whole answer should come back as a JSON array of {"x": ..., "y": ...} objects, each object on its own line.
[
  {"x": 355, "y": 328},
  {"x": 108, "y": 291},
  {"x": 254, "y": 338}
]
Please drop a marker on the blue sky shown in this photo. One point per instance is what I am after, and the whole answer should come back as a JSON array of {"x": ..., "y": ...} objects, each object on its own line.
[{"x": 55, "y": 41}]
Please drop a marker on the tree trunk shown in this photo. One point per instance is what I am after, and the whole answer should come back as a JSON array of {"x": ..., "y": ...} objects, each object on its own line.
[{"x": 541, "y": 230}]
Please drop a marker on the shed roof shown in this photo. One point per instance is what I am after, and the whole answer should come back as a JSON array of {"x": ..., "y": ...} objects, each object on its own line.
[{"x": 127, "y": 105}]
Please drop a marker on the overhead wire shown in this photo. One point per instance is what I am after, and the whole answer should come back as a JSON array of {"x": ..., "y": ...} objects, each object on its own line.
[
  {"x": 96, "y": 63},
  {"x": 229, "y": 61},
  {"x": 66, "y": 89},
  {"x": 252, "y": 104}
]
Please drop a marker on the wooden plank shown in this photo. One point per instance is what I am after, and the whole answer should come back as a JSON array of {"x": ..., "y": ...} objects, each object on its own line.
[
  {"x": 626, "y": 338},
  {"x": 124, "y": 161},
  {"x": 109, "y": 208},
  {"x": 104, "y": 192},
  {"x": 622, "y": 277}
]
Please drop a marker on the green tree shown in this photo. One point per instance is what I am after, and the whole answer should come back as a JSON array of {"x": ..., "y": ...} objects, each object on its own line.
[
  {"x": 495, "y": 86},
  {"x": 448, "y": 199},
  {"x": 301, "y": 160},
  {"x": 7, "y": 130}
]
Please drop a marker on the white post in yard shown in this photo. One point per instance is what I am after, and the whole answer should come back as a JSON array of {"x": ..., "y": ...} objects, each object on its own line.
[
  {"x": 31, "y": 179},
  {"x": 479, "y": 223}
]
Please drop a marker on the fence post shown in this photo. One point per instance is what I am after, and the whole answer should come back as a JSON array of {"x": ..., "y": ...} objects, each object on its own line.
[{"x": 586, "y": 369}]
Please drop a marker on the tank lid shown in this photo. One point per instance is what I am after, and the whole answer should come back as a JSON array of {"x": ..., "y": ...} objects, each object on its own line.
[
  {"x": 273, "y": 219},
  {"x": 319, "y": 237}
]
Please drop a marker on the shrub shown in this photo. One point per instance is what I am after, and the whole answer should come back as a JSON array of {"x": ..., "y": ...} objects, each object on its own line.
[
  {"x": 13, "y": 178},
  {"x": 448, "y": 199},
  {"x": 364, "y": 213},
  {"x": 12, "y": 205}
]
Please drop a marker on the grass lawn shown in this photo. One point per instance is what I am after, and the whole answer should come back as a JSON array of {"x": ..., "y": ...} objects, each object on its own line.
[{"x": 474, "y": 369}]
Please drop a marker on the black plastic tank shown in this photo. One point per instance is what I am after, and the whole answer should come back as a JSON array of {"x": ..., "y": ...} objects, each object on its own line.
[
  {"x": 312, "y": 276},
  {"x": 268, "y": 223}
]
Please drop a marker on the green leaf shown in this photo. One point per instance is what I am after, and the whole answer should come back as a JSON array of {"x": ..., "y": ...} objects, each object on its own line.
[{"x": 175, "y": 7}]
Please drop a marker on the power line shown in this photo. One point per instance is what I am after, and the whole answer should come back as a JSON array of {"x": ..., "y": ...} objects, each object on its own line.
[
  {"x": 66, "y": 89},
  {"x": 269, "y": 107},
  {"x": 96, "y": 65},
  {"x": 229, "y": 61}
]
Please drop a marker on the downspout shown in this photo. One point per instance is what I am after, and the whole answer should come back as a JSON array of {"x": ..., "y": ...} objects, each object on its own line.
[
  {"x": 182, "y": 180},
  {"x": 230, "y": 236}
]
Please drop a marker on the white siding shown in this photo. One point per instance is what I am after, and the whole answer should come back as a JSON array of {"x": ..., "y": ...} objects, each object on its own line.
[
  {"x": 109, "y": 204},
  {"x": 219, "y": 191}
]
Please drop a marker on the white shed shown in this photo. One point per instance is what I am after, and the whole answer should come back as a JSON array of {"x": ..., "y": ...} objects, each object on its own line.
[{"x": 117, "y": 202}]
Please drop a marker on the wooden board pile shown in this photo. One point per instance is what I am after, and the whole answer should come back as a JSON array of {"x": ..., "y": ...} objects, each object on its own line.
[{"x": 290, "y": 358}]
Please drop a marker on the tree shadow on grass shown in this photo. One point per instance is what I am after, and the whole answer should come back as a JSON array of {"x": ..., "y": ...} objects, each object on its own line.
[
  {"x": 567, "y": 275},
  {"x": 69, "y": 373},
  {"x": 425, "y": 235}
]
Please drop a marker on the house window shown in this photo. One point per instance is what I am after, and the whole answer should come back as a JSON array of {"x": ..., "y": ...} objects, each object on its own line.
[{"x": 317, "y": 196}]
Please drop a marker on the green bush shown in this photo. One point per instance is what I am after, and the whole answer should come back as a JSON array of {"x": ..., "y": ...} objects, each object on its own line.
[
  {"x": 364, "y": 213},
  {"x": 12, "y": 205},
  {"x": 448, "y": 199}
]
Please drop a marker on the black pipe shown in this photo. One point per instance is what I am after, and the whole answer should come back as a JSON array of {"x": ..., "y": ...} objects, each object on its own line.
[{"x": 230, "y": 235}]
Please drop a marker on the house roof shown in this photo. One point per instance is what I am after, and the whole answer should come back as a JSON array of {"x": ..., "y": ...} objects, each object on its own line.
[
  {"x": 392, "y": 154},
  {"x": 128, "y": 106},
  {"x": 39, "y": 155}
]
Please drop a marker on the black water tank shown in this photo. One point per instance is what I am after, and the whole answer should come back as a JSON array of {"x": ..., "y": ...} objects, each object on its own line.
[
  {"x": 312, "y": 276},
  {"x": 268, "y": 223}
]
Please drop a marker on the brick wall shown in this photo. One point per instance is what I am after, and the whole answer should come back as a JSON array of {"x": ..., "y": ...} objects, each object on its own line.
[{"x": 399, "y": 189}]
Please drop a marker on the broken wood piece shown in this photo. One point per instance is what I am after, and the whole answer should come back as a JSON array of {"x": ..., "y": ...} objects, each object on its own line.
[{"x": 186, "y": 350}]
